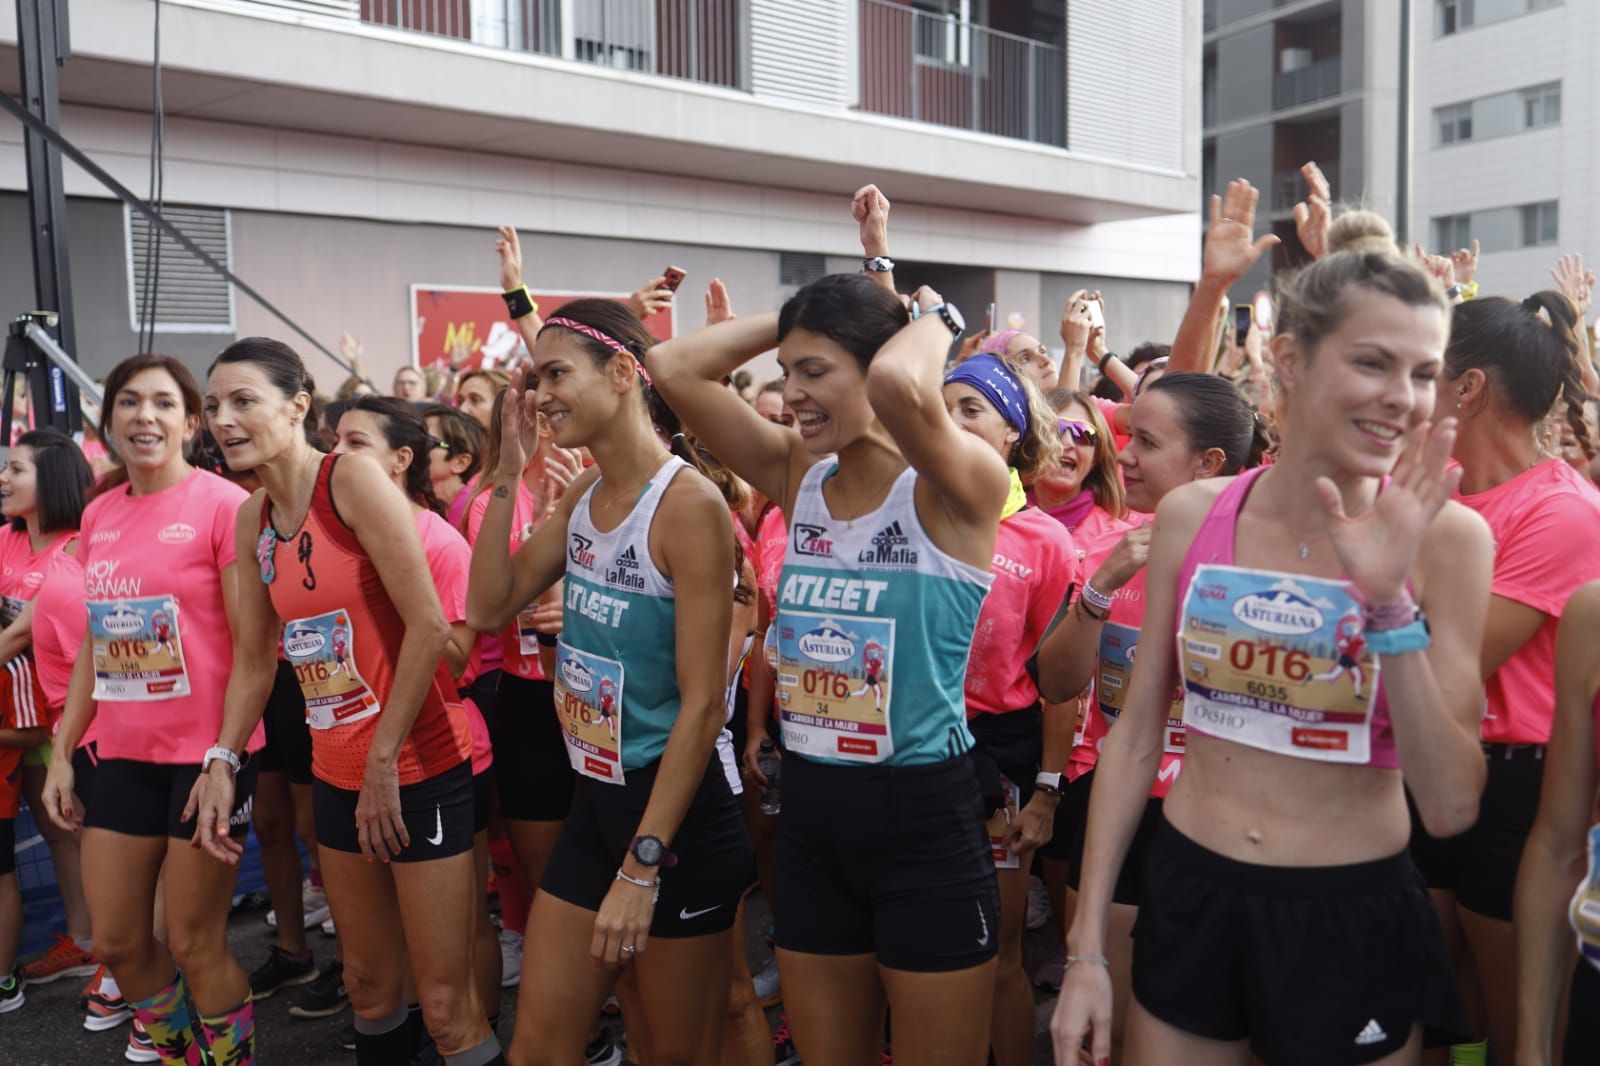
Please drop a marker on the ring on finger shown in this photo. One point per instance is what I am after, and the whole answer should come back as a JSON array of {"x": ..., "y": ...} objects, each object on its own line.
[{"x": 629, "y": 949}]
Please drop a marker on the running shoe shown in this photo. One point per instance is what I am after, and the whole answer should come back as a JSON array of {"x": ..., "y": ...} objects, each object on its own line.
[
  {"x": 324, "y": 996},
  {"x": 11, "y": 995},
  {"x": 64, "y": 959},
  {"x": 313, "y": 904},
  {"x": 510, "y": 959},
  {"x": 281, "y": 970},
  {"x": 783, "y": 1050},
  {"x": 1038, "y": 914},
  {"x": 347, "y": 1035},
  {"x": 1052, "y": 971},
  {"x": 768, "y": 991},
  {"x": 601, "y": 1051},
  {"x": 103, "y": 1009},
  {"x": 140, "y": 1047}
]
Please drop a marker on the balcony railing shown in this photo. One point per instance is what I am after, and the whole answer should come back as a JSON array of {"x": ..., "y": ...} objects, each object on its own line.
[
  {"x": 1289, "y": 188},
  {"x": 700, "y": 40},
  {"x": 938, "y": 69},
  {"x": 1307, "y": 85}
]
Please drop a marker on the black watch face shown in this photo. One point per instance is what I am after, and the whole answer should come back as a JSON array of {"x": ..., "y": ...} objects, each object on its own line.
[
  {"x": 648, "y": 851},
  {"x": 952, "y": 316}
]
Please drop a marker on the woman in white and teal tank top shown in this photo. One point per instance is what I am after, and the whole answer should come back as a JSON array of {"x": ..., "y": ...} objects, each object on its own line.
[
  {"x": 886, "y": 889},
  {"x": 652, "y": 860}
]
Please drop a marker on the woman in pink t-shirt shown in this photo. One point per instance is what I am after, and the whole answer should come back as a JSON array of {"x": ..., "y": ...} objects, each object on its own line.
[
  {"x": 1508, "y": 365},
  {"x": 158, "y": 553},
  {"x": 455, "y": 454},
  {"x": 1182, "y": 428},
  {"x": 388, "y": 430}
]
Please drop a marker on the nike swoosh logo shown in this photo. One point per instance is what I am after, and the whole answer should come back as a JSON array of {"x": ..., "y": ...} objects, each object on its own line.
[
  {"x": 983, "y": 941},
  {"x": 687, "y": 914},
  {"x": 438, "y": 827}
]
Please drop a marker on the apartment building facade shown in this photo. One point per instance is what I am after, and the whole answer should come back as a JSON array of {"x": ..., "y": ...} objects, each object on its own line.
[
  {"x": 1502, "y": 153},
  {"x": 1286, "y": 81},
  {"x": 341, "y": 153}
]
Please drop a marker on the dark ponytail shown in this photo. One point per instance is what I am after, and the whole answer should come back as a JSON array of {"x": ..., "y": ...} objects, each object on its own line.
[
  {"x": 1530, "y": 352},
  {"x": 402, "y": 428},
  {"x": 1215, "y": 414}
]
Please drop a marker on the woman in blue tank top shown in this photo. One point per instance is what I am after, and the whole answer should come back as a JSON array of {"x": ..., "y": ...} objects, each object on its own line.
[
  {"x": 886, "y": 886},
  {"x": 653, "y": 854}
]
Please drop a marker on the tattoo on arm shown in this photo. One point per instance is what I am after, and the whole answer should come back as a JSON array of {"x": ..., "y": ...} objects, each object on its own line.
[{"x": 502, "y": 492}]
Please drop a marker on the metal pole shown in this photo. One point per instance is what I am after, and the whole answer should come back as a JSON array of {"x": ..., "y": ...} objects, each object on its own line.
[
  {"x": 42, "y": 47},
  {"x": 1402, "y": 184}
]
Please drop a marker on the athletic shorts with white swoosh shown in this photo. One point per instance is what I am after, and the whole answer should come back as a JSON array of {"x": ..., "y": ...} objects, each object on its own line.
[
  {"x": 438, "y": 815},
  {"x": 699, "y": 895}
]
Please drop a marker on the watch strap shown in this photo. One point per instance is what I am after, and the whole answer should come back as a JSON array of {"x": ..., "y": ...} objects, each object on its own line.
[
  {"x": 225, "y": 755},
  {"x": 1412, "y": 637}
]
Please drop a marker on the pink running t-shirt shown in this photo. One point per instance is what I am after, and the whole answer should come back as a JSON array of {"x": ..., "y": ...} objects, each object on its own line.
[
  {"x": 1035, "y": 563},
  {"x": 140, "y": 551},
  {"x": 1544, "y": 522},
  {"x": 507, "y": 653},
  {"x": 59, "y": 622},
  {"x": 450, "y": 562}
]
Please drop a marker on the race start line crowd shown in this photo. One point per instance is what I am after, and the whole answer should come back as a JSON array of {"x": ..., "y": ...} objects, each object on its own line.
[{"x": 638, "y": 637}]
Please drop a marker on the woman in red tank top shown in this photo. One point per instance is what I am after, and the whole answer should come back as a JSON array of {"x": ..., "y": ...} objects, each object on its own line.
[{"x": 335, "y": 556}]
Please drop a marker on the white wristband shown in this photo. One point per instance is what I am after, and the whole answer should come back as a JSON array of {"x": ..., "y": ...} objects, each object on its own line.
[{"x": 224, "y": 754}]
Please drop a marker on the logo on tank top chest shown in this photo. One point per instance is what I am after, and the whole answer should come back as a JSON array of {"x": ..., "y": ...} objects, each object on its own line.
[
  {"x": 177, "y": 533},
  {"x": 890, "y": 549},
  {"x": 812, "y": 540},
  {"x": 581, "y": 551},
  {"x": 624, "y": 571}
]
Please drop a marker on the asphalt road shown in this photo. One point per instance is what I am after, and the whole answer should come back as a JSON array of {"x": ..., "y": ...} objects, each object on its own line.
[{"x": 48, "y": 1030}]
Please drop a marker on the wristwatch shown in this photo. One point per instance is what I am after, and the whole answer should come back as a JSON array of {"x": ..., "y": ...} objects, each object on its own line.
[
  {"x": 1414, "y": 636},
  {"x": 949, "y": 314},
  {"x": 878, "y": 264},
  {"x": 650, "y": 851},
  {"x": 224, "y": 754},
  {"x": 1048, "y": 783}
]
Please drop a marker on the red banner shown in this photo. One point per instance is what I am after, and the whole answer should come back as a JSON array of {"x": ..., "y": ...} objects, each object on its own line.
[{"x": 469, "y": 328}]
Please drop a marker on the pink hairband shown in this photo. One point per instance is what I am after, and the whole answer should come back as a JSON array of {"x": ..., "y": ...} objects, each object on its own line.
[{"x": 605, "y": 339}]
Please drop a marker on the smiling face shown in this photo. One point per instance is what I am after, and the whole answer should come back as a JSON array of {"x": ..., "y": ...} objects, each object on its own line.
[
  {"x": 769, "y": 405},
  {"x": 976, "y": 415},
  {"x": 249, "y": 417},
  {"x": 19, "y": 484},
  {"x": 1032, "y": 359},
  {"x": 826, "y": 389},
  {"x": 1077, "y": 458},
  {"x": 1367, "y": 384},
  {"x": 149, "y": 426},
  {"x": 1158, "y": 457},
  {"x": 575, "y": 397}
]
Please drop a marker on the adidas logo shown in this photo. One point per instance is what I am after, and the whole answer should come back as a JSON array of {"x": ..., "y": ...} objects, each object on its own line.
[
  {"x": 1372, "y": 1034},
  {"x": 889, "y": 548},
  {"x": 628, "y": 559}
]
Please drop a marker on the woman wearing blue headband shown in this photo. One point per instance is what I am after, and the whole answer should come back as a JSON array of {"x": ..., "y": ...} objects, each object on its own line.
[{"x": 1020, "y": 748}]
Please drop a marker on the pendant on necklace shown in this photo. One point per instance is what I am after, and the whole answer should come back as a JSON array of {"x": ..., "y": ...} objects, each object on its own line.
[{"x": 1305, "y": 550}]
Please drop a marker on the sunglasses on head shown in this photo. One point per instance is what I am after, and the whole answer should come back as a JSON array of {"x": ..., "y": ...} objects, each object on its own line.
[
  {"x": 435, "y": 442},
  {"x": 1080, "y": 432},
  {"x": 1149, "y": 368}
]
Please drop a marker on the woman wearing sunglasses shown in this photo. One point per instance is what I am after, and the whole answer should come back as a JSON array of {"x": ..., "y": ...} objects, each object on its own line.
[
  {"x": 1183, "y": 427},
  {"x": 1084, "y": 492},
  {"x": 1014, "y": 738}
]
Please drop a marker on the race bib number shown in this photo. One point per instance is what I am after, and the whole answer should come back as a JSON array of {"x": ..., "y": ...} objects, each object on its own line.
[
  {"x": 138, "y": 653},
  {"x": 1000, "y": 822},
  {"x": 1278, "y": 662},
  {"x": 1584, "y": 912},
  {"x": 527, "y": 636},
  {"x": 834, "y": 685},
  {"x": 322, "y": 651},
  {"x": 1119, "y": 644},
  {"x": 589, "y": 707}
]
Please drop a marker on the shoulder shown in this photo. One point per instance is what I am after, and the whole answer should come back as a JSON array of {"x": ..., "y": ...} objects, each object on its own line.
[
  {"x": 1583, "y": 609},
  {"x": 1188, "y": 505},
  {"x": 1457, "y": 528},
  {"x": 211, "y": 486},
  {"x": 690, "y": 492}
]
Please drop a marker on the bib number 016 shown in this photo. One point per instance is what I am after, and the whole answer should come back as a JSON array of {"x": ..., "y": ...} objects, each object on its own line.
[
  {"x": 1247, "y": 657},
  {"x": 827, "y": 683}
]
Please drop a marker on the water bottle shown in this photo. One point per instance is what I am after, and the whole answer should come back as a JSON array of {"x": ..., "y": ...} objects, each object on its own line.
[{"x": 771, "y": 766}]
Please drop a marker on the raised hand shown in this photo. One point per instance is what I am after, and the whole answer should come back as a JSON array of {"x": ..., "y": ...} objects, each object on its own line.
[
  {"x": 518, "y": 425},
  {"x": 1576, "y": 282},
  {"x": 1376, "y": 548},
  {"x": 1442, "y": 268},
  {"x": 1229, "y": 250},
  {"x": 870, "y": 208},
  {"x": 1465, "y": 261},
  {"x": 651, "y": 297},
  {"x": 718, "y": 307},
  {"x": 970, "y": 345},
  {"x": 510, "y": 251},
  {"x": 1076, "y": 325},
  {"x": 1314, "y": 215}
]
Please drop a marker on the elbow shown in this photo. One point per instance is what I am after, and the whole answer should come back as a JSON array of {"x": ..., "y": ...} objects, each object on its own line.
[
  {"x": 1452, "y": 813},
  {"x": 482, "y": 616},
  {"x": 665, "y": 367},
  {"x": 892, "y": 387}
]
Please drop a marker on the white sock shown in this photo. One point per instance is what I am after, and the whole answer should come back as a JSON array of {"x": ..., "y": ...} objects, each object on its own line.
[{"x": 108, "y": 986}]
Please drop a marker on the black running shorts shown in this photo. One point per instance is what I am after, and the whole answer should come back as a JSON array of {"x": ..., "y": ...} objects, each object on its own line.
[
  {"x": 146, "y": 799},
  {"x": 530, "y": 758},
  {"x": 288, "y": 749},
  {"x": 437, "y": 813}
]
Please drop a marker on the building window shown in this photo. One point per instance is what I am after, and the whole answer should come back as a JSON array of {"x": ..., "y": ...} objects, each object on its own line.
[
  {"x": 943, "y": 30},
  {"x": 1454, "y": 123},
  {"x": 1537, "y": 224},
  {"x": 1454, "y": 15},
  {"x": 1452, "y": 231},
  {"x": 1541, "y": 105}
]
